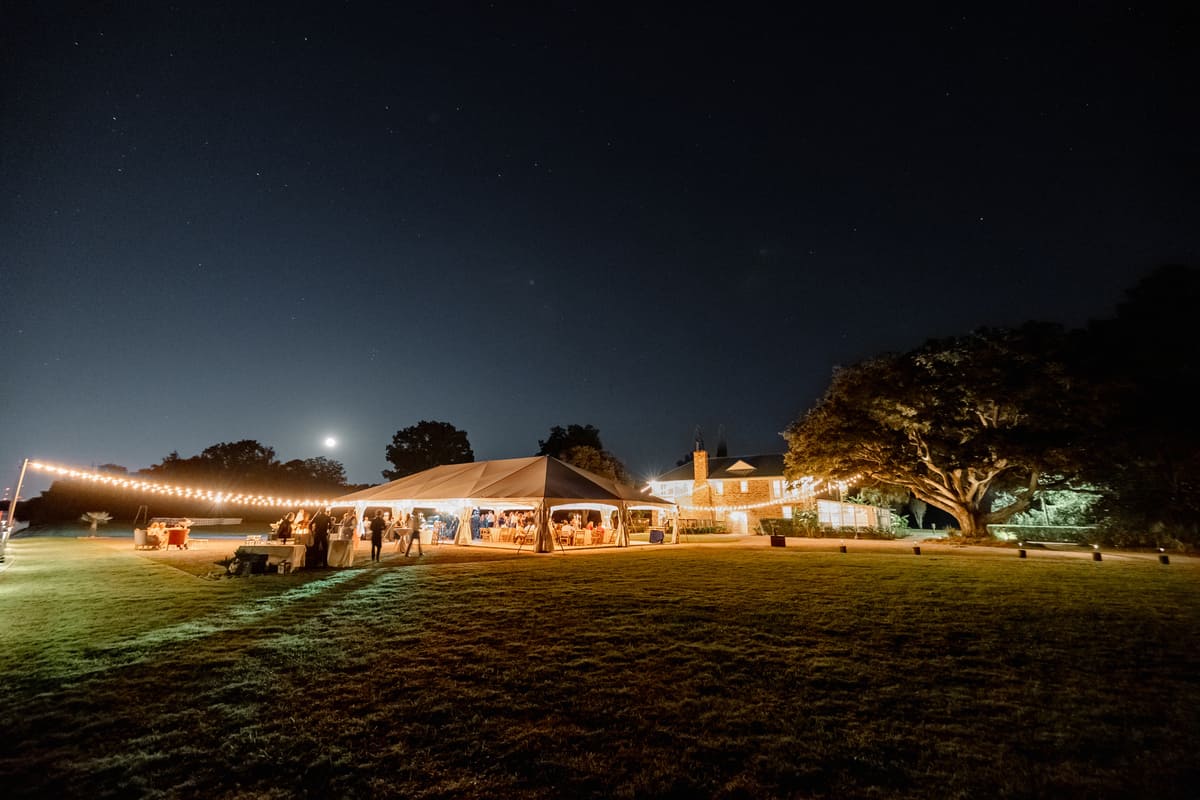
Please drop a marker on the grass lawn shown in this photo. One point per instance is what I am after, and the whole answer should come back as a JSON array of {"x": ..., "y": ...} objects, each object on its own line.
[{"x": 675, "y": 671}]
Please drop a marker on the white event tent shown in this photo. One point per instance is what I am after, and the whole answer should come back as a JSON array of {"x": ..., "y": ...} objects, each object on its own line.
[{"x": 540, "y": 483}]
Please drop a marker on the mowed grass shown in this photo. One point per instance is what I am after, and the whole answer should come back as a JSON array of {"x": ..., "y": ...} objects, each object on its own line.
[{"x": 738, "y": 671}]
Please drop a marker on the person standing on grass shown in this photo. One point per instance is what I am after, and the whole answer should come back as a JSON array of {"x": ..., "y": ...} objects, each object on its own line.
[
  {"x": 401, "y": 531},
  {"x": 377, "y": 527},
  {"x": 414, "y": 534},
  {"x": 320, "y": 530}
]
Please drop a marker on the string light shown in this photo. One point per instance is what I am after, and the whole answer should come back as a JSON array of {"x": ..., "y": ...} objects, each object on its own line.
[
  {"x": 185, "y": 492},
  {"x": 809, "y": 487}
]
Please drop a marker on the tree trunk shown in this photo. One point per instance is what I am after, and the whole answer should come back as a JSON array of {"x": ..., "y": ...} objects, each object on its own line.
[
  {"x": 918, "y": 508},
  {"x": 972, "y": 523}
]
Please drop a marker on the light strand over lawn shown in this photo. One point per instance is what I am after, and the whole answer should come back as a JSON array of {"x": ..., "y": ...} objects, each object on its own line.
[{"x": 132, "y": 483}]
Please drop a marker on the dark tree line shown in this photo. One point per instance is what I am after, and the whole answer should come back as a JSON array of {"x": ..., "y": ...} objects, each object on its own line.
[
  {"x": 250, "y": 467},
  {"x": 430, "y": 444},
  {"x": 247, "y": 466},
  {"x": 963, "y": 421}
]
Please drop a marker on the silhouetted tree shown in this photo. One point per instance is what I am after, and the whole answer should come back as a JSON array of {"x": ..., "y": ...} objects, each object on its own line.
[
  {"x": 580, "y": 445},
  {"x": 563, "y": 439},
  {"x": 600, "y": 462},
  {"x": 1144, "y": 365},
  {"x": 245, "y": 463},
  {"x": 424, "y": 445},
  {"x": 315, "y": 472}
]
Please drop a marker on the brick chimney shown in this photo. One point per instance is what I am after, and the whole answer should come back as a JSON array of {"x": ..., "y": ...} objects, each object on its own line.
[{"x": 700, "y": 466}]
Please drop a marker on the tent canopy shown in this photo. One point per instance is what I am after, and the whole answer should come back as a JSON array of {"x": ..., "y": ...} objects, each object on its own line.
[
  {"x": 539, "y": 482},
  {"x": 533, "y": 480}
]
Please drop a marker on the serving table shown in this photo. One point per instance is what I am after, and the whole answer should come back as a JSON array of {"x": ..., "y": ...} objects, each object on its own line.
[
  {"x": 341, "y": 551},
  {"x": 278, "y": 552}
]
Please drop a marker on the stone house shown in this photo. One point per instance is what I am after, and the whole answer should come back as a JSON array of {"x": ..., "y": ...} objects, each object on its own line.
[{"x": 736, "y": 491}]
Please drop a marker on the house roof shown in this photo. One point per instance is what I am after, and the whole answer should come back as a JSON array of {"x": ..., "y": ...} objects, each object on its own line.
[{"x": 732, "y": 468}]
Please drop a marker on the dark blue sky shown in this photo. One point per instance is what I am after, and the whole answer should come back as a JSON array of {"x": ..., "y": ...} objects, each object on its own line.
[{"x": 285, "y": 221}]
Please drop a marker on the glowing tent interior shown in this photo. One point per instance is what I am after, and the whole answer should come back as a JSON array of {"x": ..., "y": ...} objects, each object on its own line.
[{"x": 538, "y": 483}]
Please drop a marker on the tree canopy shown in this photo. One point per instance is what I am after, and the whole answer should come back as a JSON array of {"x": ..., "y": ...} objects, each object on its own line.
[
  {"x": 424, "y": 445},
  {"x": 580, "y": 445},
  {"x": 249, "y": 464},
  {"x": 563, "y": 439},
  {"x": 949, "y": 422},
  {"x": 1144, "y": 369},
  {"x": 600, "y": 462}
]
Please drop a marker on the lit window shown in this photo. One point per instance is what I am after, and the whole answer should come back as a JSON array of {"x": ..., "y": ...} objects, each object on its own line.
[
  {"x": 787, "y": 512},
  {"x": 719, "y": 487},
  {"x": 777, "y": 488},
  {"x": 745, "y": 486}
]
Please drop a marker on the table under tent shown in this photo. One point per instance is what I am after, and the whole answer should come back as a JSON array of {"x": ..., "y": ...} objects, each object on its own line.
[{"x": 537, "y": 486}]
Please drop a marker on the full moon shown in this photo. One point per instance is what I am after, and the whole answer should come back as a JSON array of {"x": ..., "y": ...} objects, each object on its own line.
[{"x": 330, "y": 441}]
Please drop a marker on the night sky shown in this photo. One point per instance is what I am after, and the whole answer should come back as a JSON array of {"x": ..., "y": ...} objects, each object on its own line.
[{"x": 290, "y": 222}]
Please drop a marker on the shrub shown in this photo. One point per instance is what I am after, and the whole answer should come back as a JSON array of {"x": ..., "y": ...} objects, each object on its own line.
[
  {"x": 805, "y": 525},
  {"x": 1115, "y": 534}
]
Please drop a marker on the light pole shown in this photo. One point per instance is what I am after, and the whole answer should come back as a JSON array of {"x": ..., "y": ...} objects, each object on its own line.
[{"x": 12, "y": 506}]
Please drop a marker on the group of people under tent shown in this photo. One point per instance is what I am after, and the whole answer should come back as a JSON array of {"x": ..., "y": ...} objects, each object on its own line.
[
  {"x": 300, "y": 522},
  {"x": 405, "y": 528},
  {"x": 402, "y": 527},
  {"x": 321, "y": 524},
  {"x": 525, "y": 521}
]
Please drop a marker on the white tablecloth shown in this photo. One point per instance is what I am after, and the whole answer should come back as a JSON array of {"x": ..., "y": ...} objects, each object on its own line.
[
  {"x": 341, "y": 552},
  {"x": 278, "y": 552}
]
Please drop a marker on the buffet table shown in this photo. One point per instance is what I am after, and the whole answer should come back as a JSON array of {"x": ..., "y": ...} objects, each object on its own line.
[
  {"x": 278, "y": 552},
  {"x": 341, "y": 552}
]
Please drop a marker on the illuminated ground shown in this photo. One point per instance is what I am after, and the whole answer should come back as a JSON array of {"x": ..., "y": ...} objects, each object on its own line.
[{"x": 692, "y": 671}]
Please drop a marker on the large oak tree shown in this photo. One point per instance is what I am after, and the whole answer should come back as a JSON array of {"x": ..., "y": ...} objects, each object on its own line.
[{"x": 949, "y": 422}]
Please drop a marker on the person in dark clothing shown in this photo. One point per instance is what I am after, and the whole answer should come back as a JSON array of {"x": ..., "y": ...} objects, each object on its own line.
[
  {"x": 319, "y": 525},
  {"x": 284, "y": 531},
  {"x": 377, "y": 528}
]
